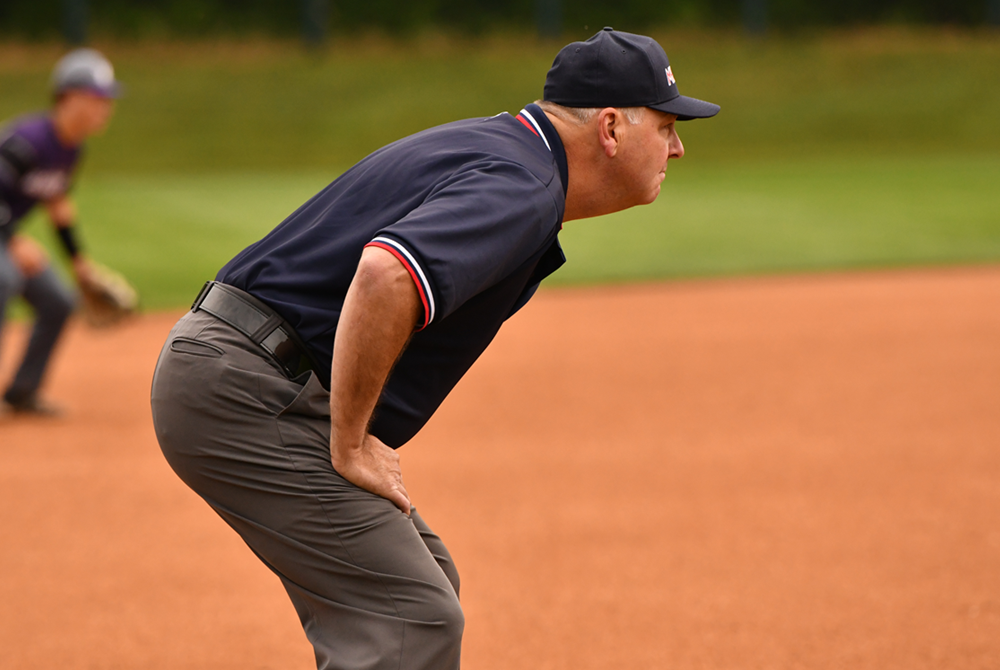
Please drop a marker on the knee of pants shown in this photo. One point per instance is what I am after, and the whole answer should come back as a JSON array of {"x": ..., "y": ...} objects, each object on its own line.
[
  {"x": 445, "y": 627},
  {"x": 449, "y": 619},
  {"x": 10, "y": 281},
  {"x": 437, "y": 618},
  {"x": 435, "y": 639},
  {"x": 345, "y": 638},
  {"x": 57, "y": 306}
]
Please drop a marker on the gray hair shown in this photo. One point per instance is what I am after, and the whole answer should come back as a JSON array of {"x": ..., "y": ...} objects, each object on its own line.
[{"x": 583, "y": 115}]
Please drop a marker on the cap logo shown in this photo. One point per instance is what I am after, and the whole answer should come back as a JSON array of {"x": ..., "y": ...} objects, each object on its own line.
[{"x": 670, "y": 77}]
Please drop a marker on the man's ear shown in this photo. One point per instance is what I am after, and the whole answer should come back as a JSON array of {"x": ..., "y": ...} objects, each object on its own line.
[{"x": 608, "y": 127}]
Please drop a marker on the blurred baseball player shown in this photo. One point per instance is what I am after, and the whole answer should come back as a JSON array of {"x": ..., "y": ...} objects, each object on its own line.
[
  {"x": 282, "y": 396},
  {"x": 38, "y": 155}
]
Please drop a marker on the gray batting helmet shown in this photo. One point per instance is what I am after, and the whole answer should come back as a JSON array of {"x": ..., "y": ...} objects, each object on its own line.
[{"x": 85, "y": 69}]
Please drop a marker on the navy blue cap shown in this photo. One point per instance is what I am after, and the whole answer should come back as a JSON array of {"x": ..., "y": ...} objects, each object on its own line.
[{"x": 616, "y": 69}]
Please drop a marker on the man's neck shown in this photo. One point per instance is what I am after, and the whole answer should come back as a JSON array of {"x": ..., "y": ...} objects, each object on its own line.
[{"x": 583, "y": 193}]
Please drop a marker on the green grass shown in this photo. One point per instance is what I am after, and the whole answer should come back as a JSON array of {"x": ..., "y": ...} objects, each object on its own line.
[
  {"x": 265, "y": 106},
  {"x": 866, "y": 149},
  {"x": 797, "y": 215},
  {"x": 170, "y": 233}
]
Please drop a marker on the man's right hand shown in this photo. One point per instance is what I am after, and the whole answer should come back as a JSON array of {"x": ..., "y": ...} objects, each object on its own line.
[{"x": 374, "y": 467}]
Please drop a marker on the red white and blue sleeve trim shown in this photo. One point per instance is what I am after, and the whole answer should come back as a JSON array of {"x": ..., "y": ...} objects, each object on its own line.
[{"x": 416, "y": 272}]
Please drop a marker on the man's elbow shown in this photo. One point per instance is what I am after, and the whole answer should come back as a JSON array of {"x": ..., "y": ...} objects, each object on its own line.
[
  {"x": 383, "y": 277},
  {"x": 379, "y": 267}
]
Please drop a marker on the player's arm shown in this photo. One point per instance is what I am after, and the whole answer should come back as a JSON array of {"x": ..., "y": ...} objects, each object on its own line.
[
  {"x": 380, "y": 313},
  {"x": 62, "y": 213},
  {"x": 17, "y": 158}
]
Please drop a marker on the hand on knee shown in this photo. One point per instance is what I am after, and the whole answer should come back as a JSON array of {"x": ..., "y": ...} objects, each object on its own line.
[{"x": 29, "y": 256}]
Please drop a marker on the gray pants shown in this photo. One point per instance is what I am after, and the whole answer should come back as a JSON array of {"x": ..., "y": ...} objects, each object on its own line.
[
  {"x": 52, "y": 302},
  {"x": 373, "y": 587}
]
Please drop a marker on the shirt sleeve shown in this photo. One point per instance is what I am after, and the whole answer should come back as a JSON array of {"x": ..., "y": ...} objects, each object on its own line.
[
  {"x": 473, "y": 229},
  {"x": 17, "y": 157}
]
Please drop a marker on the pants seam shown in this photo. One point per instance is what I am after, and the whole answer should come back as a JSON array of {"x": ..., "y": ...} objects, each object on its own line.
[{"x": 402, "y": 644}]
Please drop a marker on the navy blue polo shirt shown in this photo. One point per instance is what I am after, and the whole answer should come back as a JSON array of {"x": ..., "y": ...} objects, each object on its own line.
[{"x": 472, "y": 209}]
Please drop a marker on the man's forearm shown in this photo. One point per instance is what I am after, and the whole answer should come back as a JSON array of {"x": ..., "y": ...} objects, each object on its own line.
[
  {"x": 379, "y": 314},
  {"x": 62, "y": 211}
]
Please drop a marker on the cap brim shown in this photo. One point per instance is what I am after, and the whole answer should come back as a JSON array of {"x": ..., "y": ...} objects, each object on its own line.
[
  {"x": 115, "y": 90},
  {"x": 112, "y": 92},
  {"x": 687, "y": 108}
]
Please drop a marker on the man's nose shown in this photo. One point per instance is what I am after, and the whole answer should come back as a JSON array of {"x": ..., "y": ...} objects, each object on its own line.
[{"x": 676, "y": 146}]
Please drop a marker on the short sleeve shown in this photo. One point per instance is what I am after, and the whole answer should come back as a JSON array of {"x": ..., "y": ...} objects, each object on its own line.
[
  {"x": 17, "y": 157},
  {"x": 473, "y": 229}
]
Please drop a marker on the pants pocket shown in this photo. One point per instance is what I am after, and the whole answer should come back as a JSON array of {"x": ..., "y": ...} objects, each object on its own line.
[
  {"x": 312, "y": 400},
  {"x": 184, "y": 345}
]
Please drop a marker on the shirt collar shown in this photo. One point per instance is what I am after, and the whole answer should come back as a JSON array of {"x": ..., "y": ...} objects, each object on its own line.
[{"x": 534, "y": 118}]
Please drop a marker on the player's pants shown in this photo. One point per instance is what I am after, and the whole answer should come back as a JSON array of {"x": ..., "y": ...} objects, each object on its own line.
[
  {"x": 52, "y": 302},
  {"x": 373, "y": 588}
]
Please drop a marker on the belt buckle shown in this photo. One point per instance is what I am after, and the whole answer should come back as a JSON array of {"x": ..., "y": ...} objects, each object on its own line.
[
  {"x": 201, "y": 295},
  {"x": 284, "y": 350}
]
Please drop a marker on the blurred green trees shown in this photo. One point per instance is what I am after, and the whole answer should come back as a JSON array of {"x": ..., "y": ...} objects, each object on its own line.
[{"x": 35, "y": 19}]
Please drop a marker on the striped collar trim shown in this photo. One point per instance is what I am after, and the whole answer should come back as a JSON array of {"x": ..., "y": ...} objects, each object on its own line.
[
  {"x": 525, "y": 115},
  {"x": 533, "y": 118}
]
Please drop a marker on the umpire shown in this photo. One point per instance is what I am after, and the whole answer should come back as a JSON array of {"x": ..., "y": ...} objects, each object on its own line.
[{"x": 281, "y": 397}]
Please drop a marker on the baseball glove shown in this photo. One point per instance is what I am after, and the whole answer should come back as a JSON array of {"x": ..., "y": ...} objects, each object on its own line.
[{"x": 108, "y": 298}]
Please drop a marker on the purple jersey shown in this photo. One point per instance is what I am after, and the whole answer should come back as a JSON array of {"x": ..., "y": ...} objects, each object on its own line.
[{"x": 34, "y": 167}]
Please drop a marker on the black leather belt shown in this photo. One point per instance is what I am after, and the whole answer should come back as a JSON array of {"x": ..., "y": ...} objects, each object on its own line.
[{"x": 257, "y": 321}]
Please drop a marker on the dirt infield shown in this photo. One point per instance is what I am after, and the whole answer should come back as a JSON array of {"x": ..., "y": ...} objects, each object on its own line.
[{"x": 800, "y": 472}]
